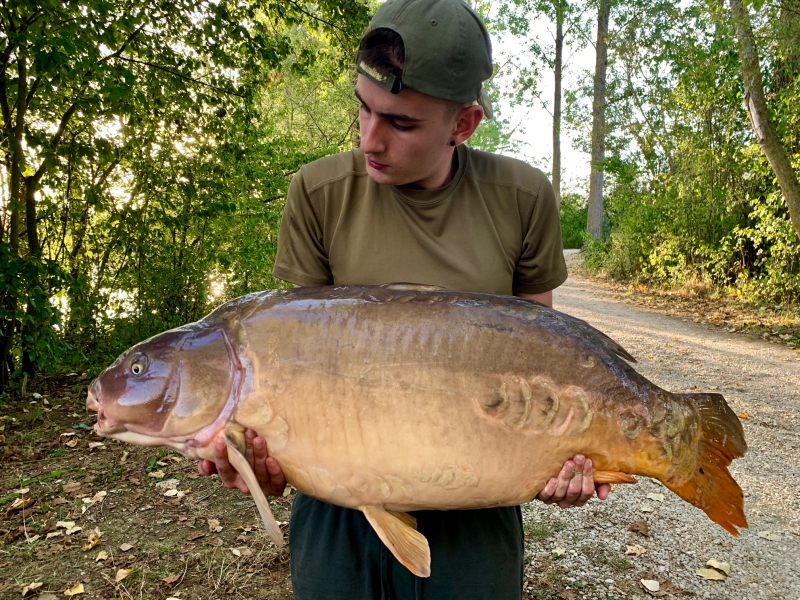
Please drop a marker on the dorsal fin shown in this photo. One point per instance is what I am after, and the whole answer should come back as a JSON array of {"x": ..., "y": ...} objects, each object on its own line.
[{"x": 413, "y": 287}]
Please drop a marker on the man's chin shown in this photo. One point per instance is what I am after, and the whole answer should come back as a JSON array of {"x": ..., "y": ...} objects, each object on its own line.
[{"x": 385, "y": 176}]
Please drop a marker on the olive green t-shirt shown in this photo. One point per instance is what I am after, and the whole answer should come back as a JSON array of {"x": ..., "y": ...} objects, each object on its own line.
[{"x": 494, "y": 228}]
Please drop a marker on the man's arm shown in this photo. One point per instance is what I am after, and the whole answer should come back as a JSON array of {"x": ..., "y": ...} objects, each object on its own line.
[{"x": 575, "y": 484}]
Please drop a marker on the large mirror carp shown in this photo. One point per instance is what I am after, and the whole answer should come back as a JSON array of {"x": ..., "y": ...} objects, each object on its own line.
[{"x": 397, "y": 398}]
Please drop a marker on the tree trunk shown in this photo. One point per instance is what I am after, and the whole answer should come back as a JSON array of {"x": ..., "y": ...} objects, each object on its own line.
[
  {"x": 594, "y": 224},
  {"x": 559, "y": 6},
  {"x": 759, "y": 114}
]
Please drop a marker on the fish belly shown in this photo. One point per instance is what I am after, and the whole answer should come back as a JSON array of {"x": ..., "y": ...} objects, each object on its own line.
[{"x": 364, "y": 406}]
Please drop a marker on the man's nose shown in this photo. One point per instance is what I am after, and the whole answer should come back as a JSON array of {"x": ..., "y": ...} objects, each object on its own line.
[{"x": 372, "y": 136}]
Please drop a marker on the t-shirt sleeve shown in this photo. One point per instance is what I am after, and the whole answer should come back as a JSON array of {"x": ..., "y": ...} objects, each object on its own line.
[
  {"x": 541, "y": 265},
  {"x": 301, "y": 258}
]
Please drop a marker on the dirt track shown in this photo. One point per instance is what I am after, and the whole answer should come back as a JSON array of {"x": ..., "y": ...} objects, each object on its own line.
[{"x": 758, "y": 379}]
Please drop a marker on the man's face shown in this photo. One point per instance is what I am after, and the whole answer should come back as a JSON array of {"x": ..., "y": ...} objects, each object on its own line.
[{"x": 405, "y": 137}]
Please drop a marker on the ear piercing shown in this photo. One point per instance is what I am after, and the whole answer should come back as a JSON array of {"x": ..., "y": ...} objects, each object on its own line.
[{"x": 452, "y": 143}]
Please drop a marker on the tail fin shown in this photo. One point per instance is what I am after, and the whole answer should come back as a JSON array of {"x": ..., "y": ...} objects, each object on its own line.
[{"x": 711, "y": 486}]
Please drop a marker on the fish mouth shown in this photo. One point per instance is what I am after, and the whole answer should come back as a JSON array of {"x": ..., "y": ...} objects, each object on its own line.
[{"x": 104, "y": 426}]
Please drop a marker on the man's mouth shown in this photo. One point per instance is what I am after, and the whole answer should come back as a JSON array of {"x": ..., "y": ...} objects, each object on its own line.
[{"x": 376, "y": 165}]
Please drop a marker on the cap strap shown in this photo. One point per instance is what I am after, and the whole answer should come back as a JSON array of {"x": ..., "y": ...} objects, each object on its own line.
[{"x": 388, "y": 81}]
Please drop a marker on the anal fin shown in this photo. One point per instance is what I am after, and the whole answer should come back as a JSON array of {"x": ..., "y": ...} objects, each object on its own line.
[
  {"x": 240, "y": 463},
  {"x": 409, "y": 546}
]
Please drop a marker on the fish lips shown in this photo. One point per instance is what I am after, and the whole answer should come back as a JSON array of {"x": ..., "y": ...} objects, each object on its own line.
[{"x": 104, "y": 425}]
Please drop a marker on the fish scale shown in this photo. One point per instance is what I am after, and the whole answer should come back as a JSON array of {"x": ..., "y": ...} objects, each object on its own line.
[{"x": 397, "y": 398}]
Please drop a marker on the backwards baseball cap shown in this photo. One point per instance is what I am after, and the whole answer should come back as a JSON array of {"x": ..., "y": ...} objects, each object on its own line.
[{"x": 448, "y": 54}]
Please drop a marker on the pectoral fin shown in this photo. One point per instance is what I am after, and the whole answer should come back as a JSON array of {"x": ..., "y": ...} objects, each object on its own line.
[
  {"x": 408, "y": 545},
  {"x": 240, "y": 463}
]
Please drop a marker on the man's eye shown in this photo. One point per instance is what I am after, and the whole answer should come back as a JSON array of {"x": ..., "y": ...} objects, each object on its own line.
[{"x": 401, "y": 127}]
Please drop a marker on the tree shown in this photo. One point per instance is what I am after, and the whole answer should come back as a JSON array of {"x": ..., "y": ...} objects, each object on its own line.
[
  {"x": 758, "y": 111},
  {"x": 594, "y": 225}
]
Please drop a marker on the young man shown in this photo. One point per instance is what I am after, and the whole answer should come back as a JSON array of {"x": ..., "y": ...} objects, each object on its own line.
[{"x": 414, "y": 204}]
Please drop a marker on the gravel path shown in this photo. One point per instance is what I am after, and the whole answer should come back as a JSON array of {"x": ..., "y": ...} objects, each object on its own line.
[{"x": 757, "y": 378}]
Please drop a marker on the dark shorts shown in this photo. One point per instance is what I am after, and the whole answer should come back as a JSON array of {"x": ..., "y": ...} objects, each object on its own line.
[{"x": 336, "y": 555}]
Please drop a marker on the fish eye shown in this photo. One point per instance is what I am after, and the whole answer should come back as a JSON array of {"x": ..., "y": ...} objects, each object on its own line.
[{"x": 138, "y": 365}]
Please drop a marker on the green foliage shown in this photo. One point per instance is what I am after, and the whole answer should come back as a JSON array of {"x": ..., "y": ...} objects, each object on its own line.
[
  {"x": 689, "y": 193},
  {"x": 573, "y": 220},
  {"x": 160, "y": 194}
]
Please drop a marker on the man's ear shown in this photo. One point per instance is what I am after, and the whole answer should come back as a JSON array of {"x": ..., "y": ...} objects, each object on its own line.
[{"x": 467, "y": 121}]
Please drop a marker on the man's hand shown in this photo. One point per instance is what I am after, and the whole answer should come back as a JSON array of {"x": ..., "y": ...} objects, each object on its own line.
[
  {"x": 574, "y": 485},
  {"x": 267, "y": 470}
]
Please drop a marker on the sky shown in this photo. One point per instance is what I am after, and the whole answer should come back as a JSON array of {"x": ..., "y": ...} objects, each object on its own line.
[{"x": 534, "y": 123}]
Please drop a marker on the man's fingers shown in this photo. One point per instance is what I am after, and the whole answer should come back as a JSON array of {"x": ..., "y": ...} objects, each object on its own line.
[
  {"x": 563, "y": 482},
  {"x": 249, "y": 435},
  {"x": 603, "y": 490},
  {"x": 547, "y": 492},
  {"x": 276, "y": 475},
  {"x": 206, "y": 467}
]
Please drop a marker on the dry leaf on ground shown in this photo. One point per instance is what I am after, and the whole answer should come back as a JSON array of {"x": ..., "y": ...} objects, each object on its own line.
[
  {"x": 719, "y": 566},
  {"x": 156, "y": 474},
  {"x": 768, "y": 535},
  {"x": 651, "y": 585},
  {"x": 92, "y": 540},
  {"x": 102, "y": 555},
  {"x": 656, "y": 497},
  {"x": 72, "y": 486},
  {"x": 646, "y": 508},
  {"x": 170, "y": 579},
  {"x": 30, "y": 587},
  {"x": 214, "y": 526},
  {"x": 635, "y": 550},
  {"x": 125, "y": 547},
  {"x": 75, "y": 590},
  {"x": 711, "y": 574},
  {"x": 122, "y": 574},
  {"x": 640, "y": 527}
]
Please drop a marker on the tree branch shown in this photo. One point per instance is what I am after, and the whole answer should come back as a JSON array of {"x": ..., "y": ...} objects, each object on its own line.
[{"x": 179, "y": 75}]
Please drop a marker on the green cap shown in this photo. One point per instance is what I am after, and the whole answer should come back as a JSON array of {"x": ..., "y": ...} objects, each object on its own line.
[{"x": 448, "y": 54}]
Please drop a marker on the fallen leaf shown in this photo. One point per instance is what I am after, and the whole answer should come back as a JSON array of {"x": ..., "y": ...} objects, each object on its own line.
[
  {"x": 656, "y": 497},
  {"x": 171, "y": 493},
  {"x": 75, "y": 590},
  {"x": 99, "y": 496},
  {"x": 156, "y": 474},
  {"x": 170, "y": 579},
  {"x": 92, "y": 540},
  {"x": 719, "y": 566},
  {"x": 31, "y": 587},
  {"x": 640, "y": 527},
  {"x": 47, "y": 597},
  {"x": 216, "y": 541},
  {"x": 72, "y": 486},
  {"x": 65, "y": 524},
  {"x": 558, "y": 552},
  {"x": 196, "y": 536},
  {"x": 651, "y": 585},
  {"x": 54, "y": 534},
  {"x": 122, "y": 574},
  {"x": 102, "y": 555},
  {"x": 646, "y": 508},
  {"x": 768, "y": 535},
  {"x": 33, "y": 538},
  {"x": 711, "y": 574},
  {"x": 744, "y": 416},
  {"x": 635, "y": 550},
  {"x": 125, "y": 547},
  {"x": 93, "y": 445},
  {"x": 214, "y": 526},
  {"x": 168, "y": 484},
  {"x": 236, "y": 552},
  {"x": 72, "y": 530},
  {"x": 124, "y": 458},
  {"x": 71, "y": 444},
  {"x": 568, "y": 595},
  {"x": 58, "y": 501}
]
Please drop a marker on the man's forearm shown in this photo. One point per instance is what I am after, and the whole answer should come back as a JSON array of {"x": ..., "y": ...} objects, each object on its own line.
[{"x": 545, "y": 298}]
